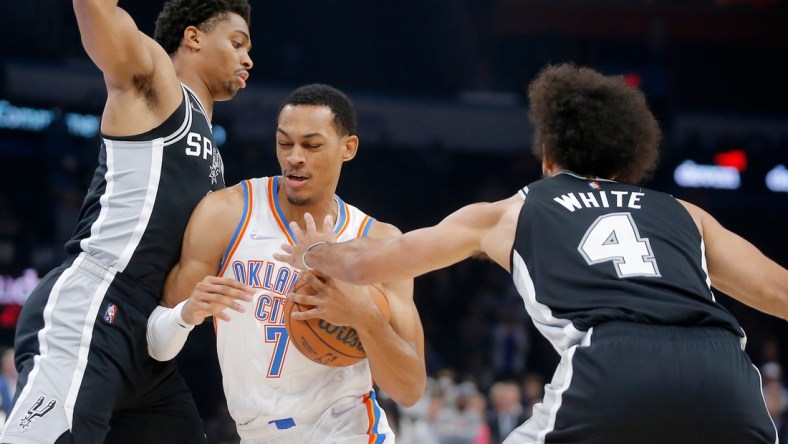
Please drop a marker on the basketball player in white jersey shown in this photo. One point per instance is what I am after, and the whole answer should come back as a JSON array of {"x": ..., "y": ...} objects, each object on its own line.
[
  {"x": 616, "y": 276},
  {"x": 274, "y": 393}
]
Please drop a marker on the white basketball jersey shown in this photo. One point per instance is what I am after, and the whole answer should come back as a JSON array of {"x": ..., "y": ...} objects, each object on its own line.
[{"x": 268, "y": 383}]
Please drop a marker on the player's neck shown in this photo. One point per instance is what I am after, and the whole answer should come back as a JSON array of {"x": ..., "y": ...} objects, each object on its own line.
[
  {"x": 318, "y": 210},
  {"x": 190, "y": 79}
]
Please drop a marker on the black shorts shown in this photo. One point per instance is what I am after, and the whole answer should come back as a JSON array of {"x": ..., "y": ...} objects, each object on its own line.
[
  {"x": 84, "y": 371},
  {"x": 631, "y": 383}
]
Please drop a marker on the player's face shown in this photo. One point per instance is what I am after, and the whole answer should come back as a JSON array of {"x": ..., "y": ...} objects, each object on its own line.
[
  {"x": 225, "y": 54},
  {"x": 311, "y": 153}
]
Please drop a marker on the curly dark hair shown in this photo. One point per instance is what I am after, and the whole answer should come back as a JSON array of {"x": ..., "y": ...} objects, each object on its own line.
[
  {"x": 593, "y": 125},
  {"x": 318, "y": 94},
  {"x": 177, "y": 15}
]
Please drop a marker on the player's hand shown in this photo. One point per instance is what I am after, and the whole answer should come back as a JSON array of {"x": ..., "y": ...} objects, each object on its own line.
[
  {"x": 334, "y": 301},
  {"x": 294, "y": 254},
  {"x": 212, "y": 295}
]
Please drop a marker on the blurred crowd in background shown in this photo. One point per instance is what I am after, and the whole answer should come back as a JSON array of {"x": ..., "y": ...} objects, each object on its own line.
[{"x": 710, "y": 70}]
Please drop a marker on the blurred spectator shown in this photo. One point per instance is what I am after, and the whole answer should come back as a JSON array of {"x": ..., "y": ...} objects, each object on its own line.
[
  {"x": 776, "y": 396},
  {"x": 8, "y": 369},
  {"x": 415, "y": 421},
  {"x": 474, "y": 337},
  {"x": 533, "y": 391},
  {"x": 7, "y": 381},
  {"x": 510, "y": 345},
  {"x": 770, "y": 351},
  {"x": 462, "y": 421},
  {"x": 507, "y": 410},
  {"x": 10, "y": 231}
]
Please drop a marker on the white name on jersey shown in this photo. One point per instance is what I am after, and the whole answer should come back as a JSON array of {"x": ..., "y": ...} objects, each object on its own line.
[{"x": 597, "y": 199}]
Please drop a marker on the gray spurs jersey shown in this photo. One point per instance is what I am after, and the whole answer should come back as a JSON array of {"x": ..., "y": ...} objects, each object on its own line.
[
  {"x": 589, "y": 251},
  {"x": 143, "y": 192}
]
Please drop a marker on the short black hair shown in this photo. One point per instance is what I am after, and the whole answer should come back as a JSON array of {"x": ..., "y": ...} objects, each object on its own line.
[
  {"x": 319, "y": 94},
  {"x": 178, "y": 15},
  {"x": 592, "y": 124}
]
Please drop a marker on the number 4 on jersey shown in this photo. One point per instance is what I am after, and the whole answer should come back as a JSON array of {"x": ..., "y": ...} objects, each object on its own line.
[{"x": 615, "y": 237}]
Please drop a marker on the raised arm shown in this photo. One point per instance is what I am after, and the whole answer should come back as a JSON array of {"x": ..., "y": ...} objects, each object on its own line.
[
  {"x": 482, "y": 228},
  {"x": 112, "y": 41},
  {"x": 142, "y": 85},
  {"x": 739, "y": 269}
]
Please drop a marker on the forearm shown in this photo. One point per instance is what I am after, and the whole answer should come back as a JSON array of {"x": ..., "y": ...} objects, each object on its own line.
[
  {"x": 112, "y": 40},
  {"x": 765, "y": 290},
  {"x": 347, "y": 261},
  {"x": 167, "y": 332},
  {"x": 396, "y": 365},
  {"x": 366, "y": 261},
  {"x": 94, "y": 17}
]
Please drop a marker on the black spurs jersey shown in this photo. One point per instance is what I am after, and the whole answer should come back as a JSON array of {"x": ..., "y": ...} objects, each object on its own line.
[
  {"x": 144, "y": 191},
  {"x": 588, "y": 251}
]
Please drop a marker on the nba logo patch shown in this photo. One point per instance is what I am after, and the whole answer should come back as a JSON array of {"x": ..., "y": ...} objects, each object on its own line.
[
  {"x": 109, "y": 315},
  {"x": 595, "y": 185}
]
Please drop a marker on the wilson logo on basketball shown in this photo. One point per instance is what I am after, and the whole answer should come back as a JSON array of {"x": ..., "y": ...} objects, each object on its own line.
[
  {"x": 344, "y": 335},
  {"x": 326, "y": 343}
]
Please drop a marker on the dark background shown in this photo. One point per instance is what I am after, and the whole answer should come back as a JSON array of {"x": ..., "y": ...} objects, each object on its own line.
[{"x": 440, "y": 87}]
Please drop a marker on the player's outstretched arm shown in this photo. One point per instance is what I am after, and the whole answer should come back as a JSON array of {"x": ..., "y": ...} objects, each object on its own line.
[
  {"x": 192, "y": 287},
  {"x": 739, "y": 269},
  {"x": 482, "y": 228}
]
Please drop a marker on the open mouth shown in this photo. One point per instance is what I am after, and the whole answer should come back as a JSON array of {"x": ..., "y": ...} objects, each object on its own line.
[{"x": 296, "y": 180}]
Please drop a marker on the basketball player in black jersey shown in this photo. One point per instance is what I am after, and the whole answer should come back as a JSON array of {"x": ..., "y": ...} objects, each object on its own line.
[
  {"x": 617, "y": 277},
  {"x": 84, "y": 371}
]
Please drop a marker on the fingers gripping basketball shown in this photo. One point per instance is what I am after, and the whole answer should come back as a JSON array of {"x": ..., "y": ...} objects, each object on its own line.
[{"x": 323, "y": 342}]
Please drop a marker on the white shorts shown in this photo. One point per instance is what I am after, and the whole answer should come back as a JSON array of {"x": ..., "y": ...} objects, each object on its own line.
[{"x": 350, "y": 420}]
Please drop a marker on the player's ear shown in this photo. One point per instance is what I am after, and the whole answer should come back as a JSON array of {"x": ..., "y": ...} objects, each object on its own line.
[
  {"x": 349, "y": 147},
  {"x": 191, "y": 38}
]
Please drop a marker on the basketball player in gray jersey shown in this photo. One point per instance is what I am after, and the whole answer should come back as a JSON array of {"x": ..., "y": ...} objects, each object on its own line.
[
  {"x": 617, "y": 277},
  {"x": 84, "y": 371}
]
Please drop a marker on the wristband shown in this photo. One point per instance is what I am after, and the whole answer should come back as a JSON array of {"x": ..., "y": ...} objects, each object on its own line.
[
  {"x": 303, "y": 256},
  {"x": 177, "y": 316},
  {"x": 167, "y": 332}
]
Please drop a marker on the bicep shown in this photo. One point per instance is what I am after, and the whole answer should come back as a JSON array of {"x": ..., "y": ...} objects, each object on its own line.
[
  {"x": 733, "y": 262},
  {"x": 206, "y": 237},
  {"x": 190, "y": 269},
  {"x": 736, "y": 267}
]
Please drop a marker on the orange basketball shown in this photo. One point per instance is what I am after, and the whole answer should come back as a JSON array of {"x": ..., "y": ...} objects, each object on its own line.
[{"x": 323, "y": 342}]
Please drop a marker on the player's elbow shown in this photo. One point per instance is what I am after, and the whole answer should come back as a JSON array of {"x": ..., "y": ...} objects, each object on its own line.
[
  {"x": 409, "y": 397},
  {"x": 411, "y": 392}
]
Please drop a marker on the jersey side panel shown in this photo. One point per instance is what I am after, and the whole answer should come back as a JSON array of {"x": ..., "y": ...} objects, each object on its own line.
[{"x": 142, "y": 195}]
